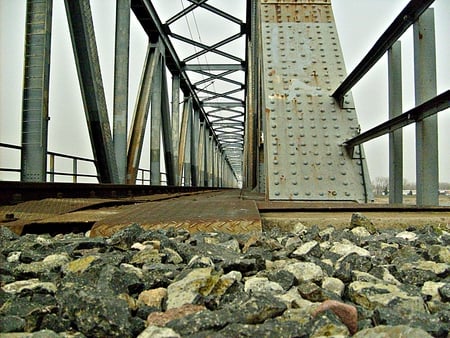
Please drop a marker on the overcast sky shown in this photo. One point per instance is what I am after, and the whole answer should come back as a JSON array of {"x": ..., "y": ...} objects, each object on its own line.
[{"x": 359, "y": 24}]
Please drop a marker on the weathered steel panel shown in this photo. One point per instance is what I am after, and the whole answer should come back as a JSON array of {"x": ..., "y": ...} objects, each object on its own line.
[
  {"x": 305, "y": 126},
  {"x": 220, "y": 212}
]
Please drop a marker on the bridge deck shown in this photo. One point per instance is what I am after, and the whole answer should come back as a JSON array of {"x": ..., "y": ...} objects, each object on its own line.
[{"x": 210, "y": 211}]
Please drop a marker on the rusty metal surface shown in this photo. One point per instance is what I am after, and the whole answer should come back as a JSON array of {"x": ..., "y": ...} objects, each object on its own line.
[
  {"x": 220, "y": 212},
  {"x": 302, "y": 64},
  {"x": 22, "y": 214}
]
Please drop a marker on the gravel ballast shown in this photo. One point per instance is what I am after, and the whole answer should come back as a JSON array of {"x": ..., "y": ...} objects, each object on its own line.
[{"x": 311, "y": 282}]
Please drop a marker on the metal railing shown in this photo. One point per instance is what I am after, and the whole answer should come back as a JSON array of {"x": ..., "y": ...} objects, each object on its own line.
[
  {"x": 428, "y": 102},
  {"x": 54, "y": 171}
]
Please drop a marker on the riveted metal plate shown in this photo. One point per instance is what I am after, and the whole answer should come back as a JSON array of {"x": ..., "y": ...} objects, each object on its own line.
[
  {"x": 221, "y": 213},
  {"x": 305, "y": 127}
]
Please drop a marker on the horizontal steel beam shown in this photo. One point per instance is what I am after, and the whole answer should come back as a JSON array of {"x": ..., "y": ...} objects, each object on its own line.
[
  {"x": 152, "y": 25},
  {"x": 416, "y": 114},
  {"x": 402, "y": 22},
  {"x": 223, "y": 104},
  {"x": 215, "y": 67}
]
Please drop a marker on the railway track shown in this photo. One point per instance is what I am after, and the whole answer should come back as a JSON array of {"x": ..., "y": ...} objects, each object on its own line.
[{"x": 65, "y": 207}]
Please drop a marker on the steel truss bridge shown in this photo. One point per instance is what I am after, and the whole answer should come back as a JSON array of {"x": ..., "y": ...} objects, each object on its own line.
[{"x": 277, "y": 118}]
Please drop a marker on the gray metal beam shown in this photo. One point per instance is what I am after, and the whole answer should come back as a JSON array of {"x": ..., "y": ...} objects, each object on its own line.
[
  {"x": 427, "y": 157},
  {"x": 419, "y": 113},
  {"x": 402, "y": 22},
  {"x": 195, "y": 135},
  {"x": 121, "y": 72},
  {"x": 215, "y": 67},
  {"x": 166, "y": 125},
  {"x": 85, "y": 50},
  {"x": 36, "y": 91},
  {"x": 395, "y": 137},
  {"x": 155, "y": 136},
  {"x": 141, "y": 111},
  {"x": 176, "y": 125},
  {"x": 184, "y": 145}
]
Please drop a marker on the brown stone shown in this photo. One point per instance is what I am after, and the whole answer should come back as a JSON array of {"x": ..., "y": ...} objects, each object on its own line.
[
  {"x": 347, "y": 313},
  {"x": 153, "y": 298},
  {"x": 162, "y": 318}
]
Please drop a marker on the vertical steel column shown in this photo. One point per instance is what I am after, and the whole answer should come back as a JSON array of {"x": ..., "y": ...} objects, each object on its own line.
[
  {"x": 141, "y": 111},
  {"x": 209, "y": 160},
  {"x": 184, "y": 150},
  {"x": 201, "y": 154},
  {"x": 395, "y": 137},
  {"x": 166, "y": 125},
  {"x": 195, "y": 130},
  {"x": 214, "y": 165},
  {"x": 121, "y": 72},
  {"x": 36, "y": 91},
  {"x": 427, "y": 170},
  {"x": 251, "y": 131},
  {"x": 155, "y": 137},
  {"x": 89, "y": 75},
  {"x": 176, "y": 125}
]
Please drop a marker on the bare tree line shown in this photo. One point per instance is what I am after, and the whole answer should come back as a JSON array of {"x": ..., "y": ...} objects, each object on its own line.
[{"x": 381, "y": 185}]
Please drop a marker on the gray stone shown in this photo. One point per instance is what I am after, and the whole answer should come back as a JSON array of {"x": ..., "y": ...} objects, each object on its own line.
[
  {"x": 371, "y": 295},
  {"x": 72, "y": 286},
  {"x": 359, "y": 220}
]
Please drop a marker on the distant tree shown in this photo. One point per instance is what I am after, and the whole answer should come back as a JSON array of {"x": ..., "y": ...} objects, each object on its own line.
[
  {"x": 381, "y": 185},
  {"x": 408, "y": 185},
  {"x": 444, "y": 185}
]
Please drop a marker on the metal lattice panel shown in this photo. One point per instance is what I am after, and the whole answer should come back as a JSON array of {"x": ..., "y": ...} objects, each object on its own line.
[{"x": 305, "y": 126}]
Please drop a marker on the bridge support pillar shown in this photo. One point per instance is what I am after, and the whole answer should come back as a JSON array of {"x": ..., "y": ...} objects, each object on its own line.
[
  {"x": 427, "y": 172},
  {"x": 395, "y": 137},
  {"x": 304, "y": 127},
  {"x": 36, "y": 91}
]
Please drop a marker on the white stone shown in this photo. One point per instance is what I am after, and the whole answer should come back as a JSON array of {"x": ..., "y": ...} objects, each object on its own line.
[
  {"x": 262, "y": 284},
  {"x": 13, "y": 257},
  {"x": 360, "y": 232},
  {"x": 304, "y": 249},
  {"x": 407, "y": 235},
  {"x": 158, "y": 332},
  {"x": 305, "y": 271},
  {"x": 334, "y": 285},
  {"x": 343, "y": 249},
  {"x": 29, "y": 284},
  {"x": 197, "y": 282}
]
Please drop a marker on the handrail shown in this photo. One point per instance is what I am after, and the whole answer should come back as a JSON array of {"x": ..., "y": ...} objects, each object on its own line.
[
  {"x": 74, "y": 174},
  {"x": 413, "y": 10},
  {"x": 419, "y": 113}
]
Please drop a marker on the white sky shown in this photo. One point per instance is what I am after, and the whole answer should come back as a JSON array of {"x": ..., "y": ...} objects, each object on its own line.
[{"x": 359, "y": 23}]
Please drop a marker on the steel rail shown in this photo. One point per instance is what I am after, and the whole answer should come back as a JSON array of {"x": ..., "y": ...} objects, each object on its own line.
[{"x": 16, "y": 192}]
